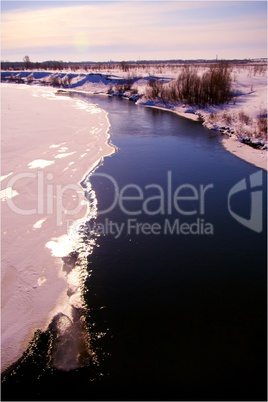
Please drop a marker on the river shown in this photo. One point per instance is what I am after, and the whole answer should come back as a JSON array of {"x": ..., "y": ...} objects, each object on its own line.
[{"x": 177, "y": 293}]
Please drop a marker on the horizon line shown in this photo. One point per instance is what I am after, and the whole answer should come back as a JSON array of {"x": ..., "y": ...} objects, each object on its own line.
[{"x": 135, "y": 61}]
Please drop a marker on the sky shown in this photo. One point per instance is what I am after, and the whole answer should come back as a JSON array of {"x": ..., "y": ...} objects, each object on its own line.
[{"x": 132, "y": 30}]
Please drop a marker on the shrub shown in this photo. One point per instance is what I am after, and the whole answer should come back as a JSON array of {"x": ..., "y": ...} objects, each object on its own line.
[
  {"x": 216, "y": 85},
  {"x": 126, "y": 87},
  {"x": 55, "y": 81},
  {"x": 154, "y": 89},
  {"x": 212, "y": 117},
  {"x": 262, "y": 125},
  {"x": 189, "y": 86},
  {"x": 134, "y": 91},
  {"x": 227, "y": 118},
  {"x": 212, "y": 88},
  {"x": 244, "y": 118}
]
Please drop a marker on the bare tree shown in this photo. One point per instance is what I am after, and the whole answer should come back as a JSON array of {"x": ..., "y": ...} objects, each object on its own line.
[{"x": 27, "y": 61}]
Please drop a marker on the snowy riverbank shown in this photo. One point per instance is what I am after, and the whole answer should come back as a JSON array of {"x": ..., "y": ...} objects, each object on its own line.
[{"x": 242, "y": 120}]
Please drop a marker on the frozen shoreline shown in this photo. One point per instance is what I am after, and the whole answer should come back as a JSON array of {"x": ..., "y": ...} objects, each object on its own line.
[
  {"x": 256, "y": 157},
  {"x": 49, "y": 144},
  {"x": 190, "y": 116},
  {"x": 253, "y": 156}
]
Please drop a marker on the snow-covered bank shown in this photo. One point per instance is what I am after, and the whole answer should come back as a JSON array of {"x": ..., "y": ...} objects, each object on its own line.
[
  {"x": 49, "y": 143},
  {"x": 256, "y": 157},
  {"x": 243, "y": 119}
]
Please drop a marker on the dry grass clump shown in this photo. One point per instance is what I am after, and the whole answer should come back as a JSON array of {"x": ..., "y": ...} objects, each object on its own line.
[
  {"x": 262, "y": 124},
  {"x": 228, "y": 118},
  {"x": 211, "y": 88},
  {"x": 244, "y": 118}
]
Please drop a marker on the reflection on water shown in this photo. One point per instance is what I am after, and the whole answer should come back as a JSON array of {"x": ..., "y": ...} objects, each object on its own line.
[{"x": 70, "y": 342}]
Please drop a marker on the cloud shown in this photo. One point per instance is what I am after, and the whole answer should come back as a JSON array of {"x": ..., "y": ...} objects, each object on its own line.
[{"x": 88, "y": 28}]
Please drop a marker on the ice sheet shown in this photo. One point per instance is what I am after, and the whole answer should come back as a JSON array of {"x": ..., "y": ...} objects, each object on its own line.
[{"x": 48, "y": 201}]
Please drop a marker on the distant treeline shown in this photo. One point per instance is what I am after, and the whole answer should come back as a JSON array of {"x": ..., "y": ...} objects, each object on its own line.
[{"x": 54, "y": 65}]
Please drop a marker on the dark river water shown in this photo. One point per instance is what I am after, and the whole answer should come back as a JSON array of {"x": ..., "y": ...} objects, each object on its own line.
[{"x": 177, "y": 294}]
